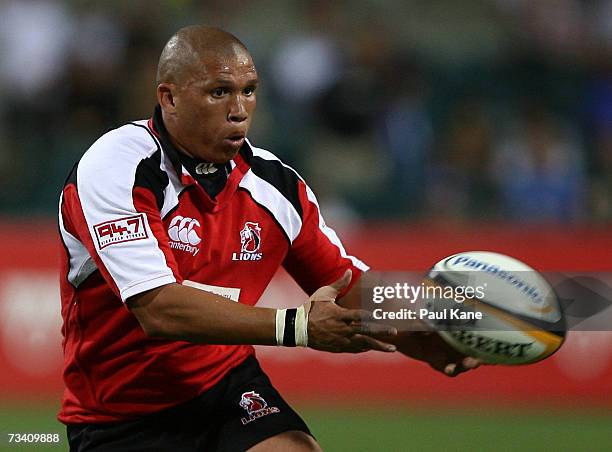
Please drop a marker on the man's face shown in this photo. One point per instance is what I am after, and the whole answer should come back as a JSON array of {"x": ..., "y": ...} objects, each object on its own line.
[{"x": 214, "y": 106}]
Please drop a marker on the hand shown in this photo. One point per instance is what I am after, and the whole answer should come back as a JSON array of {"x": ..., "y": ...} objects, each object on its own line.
[
  {"x": 335, "y": 329},
  {"x": 429, "y": 346},
  {"x": 419, "y": 341}
]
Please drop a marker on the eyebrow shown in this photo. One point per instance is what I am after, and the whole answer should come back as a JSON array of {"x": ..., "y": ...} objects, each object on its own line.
[{"x": 253, "y": 81}]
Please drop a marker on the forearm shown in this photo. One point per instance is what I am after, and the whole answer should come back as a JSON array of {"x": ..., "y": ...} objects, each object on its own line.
[
  {"x": 184, "y": 313},
  {"x": 179, "y": 312}
]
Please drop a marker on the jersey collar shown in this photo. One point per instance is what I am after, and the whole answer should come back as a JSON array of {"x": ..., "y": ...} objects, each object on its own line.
[{"x": 240, "y": 164}]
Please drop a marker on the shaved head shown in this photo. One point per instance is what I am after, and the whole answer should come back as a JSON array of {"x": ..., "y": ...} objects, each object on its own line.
[
  {"x": 206, "y": 82},
  {"x": 187, "y": 50}
]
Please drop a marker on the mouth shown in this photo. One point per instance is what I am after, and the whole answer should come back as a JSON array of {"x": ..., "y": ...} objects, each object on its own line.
[{"x": 235, "y": 140}]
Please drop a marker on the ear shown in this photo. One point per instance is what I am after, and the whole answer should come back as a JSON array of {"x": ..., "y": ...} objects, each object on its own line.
[{"x": 165, "y": 97}]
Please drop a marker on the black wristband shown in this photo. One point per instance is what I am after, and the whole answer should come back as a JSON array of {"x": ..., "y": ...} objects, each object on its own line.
[{"x": 289, "y": 334}]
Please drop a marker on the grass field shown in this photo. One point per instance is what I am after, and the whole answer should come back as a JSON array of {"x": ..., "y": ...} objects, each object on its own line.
[{"x": 343, "y": 429}]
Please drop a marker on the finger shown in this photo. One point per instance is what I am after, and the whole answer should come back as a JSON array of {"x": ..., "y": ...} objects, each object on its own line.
[
  {"x": 470, "y": 363},
  {"x": 355, "y": 315},
  {"x": 373, "y": 329},
  {"x": 340, "y": 284},
  {"x": 369, "y": 343},
  {"x": 450, "y": 369},
  {"x": 331, "y": 291}
]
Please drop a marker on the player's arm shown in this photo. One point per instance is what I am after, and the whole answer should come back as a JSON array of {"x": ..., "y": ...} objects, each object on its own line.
[
  {"x": 419, "y": 341},
  {"x": 178, "y": 312}
]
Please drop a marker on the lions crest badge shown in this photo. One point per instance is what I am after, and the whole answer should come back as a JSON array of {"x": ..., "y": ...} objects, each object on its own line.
[
  {"x": 255, "y": 406},
  {"x": 250, "y": 243}
]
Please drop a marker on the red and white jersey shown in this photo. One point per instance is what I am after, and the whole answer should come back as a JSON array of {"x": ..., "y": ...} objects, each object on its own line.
[{"x": 131, "y": 219}]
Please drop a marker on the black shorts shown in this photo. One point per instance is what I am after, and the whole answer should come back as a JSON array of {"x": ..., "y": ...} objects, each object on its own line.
[{"x": 240, "y": 411}]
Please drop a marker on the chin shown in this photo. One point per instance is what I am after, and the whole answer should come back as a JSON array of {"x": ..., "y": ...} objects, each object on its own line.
[
  {"x": 223, "y": 157},
  {"x": 225, "y": 154},
  {"x": 218, "y": 156}
]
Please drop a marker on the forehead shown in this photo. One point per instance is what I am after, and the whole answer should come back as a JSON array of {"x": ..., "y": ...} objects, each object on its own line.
[{"x": 234, "y": 62}]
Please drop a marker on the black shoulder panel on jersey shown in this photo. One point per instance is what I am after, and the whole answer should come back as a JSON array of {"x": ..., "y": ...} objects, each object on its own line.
[
  {"x": 72, "y": 176},
  {"x": 284, "y": 179},
  {"x": 149, "y": 174}
]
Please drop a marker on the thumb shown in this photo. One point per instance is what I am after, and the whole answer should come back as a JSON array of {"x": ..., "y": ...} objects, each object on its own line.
[{"x": 342, "y": 283}]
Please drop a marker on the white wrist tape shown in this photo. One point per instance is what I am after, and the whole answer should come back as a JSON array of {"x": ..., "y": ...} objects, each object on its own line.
[
  {"x": 280, "y": 325},
  {"x": 301, "y": 327},
  {"x": 292, "y": 327}
]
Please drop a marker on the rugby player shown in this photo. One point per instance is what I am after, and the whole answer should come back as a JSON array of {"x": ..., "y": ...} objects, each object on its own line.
[{"x": 172, "y": 228}]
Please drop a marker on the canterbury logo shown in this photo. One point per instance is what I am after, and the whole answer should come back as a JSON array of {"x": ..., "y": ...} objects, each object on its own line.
[
  {"x": 183, "y": 234},
  {"x": 205, "y": 168}
]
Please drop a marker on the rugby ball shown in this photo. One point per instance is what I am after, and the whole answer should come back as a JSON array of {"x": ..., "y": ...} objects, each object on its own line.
[{"x": 512, "y": 315}]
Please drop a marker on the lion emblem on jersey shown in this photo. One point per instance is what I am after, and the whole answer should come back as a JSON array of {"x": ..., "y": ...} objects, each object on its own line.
[
  {"x": 250, "y": 237},
  {"x": 255, "y": 406}
]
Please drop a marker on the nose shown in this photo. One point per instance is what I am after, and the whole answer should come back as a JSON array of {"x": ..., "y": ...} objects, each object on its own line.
[{"x": 237, "y": 111}]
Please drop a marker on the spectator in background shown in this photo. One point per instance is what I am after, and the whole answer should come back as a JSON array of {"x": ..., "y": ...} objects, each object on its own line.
[
  {"x": 352, "y": 104},
  {"x": 601, "y": 187},
  {"x": 304, "y": 69},
  {"x": 459, "y": 185},
  {"x": 597, "y": 104},
  {"x": 351, "y": 118},
  {"x": 406, "y": 131},
  {"x": 34, "y": 40},
  {"x": 539, "y": 169}
]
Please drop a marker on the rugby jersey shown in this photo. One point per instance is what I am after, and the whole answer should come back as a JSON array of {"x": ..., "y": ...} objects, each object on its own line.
[{"x": 132, "y": 218}]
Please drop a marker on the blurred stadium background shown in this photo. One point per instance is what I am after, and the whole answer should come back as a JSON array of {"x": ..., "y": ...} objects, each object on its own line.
[{"x": 424, "y": 127}]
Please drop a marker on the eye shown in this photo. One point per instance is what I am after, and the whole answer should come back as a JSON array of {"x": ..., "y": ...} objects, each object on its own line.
[
  {"x": 249, "y": 90},
  {"x": 218, "y": 92}
]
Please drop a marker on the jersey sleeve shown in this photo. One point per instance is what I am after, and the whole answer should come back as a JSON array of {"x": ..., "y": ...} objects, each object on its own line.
[
  {"x": 316, "y": 256},
  {"x": 112, "y": 207}
]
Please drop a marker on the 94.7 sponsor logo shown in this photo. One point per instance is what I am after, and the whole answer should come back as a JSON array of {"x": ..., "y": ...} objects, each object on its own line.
[
  {"x": 250, "y": 242},
  {"x": 120, "y": 230}
]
